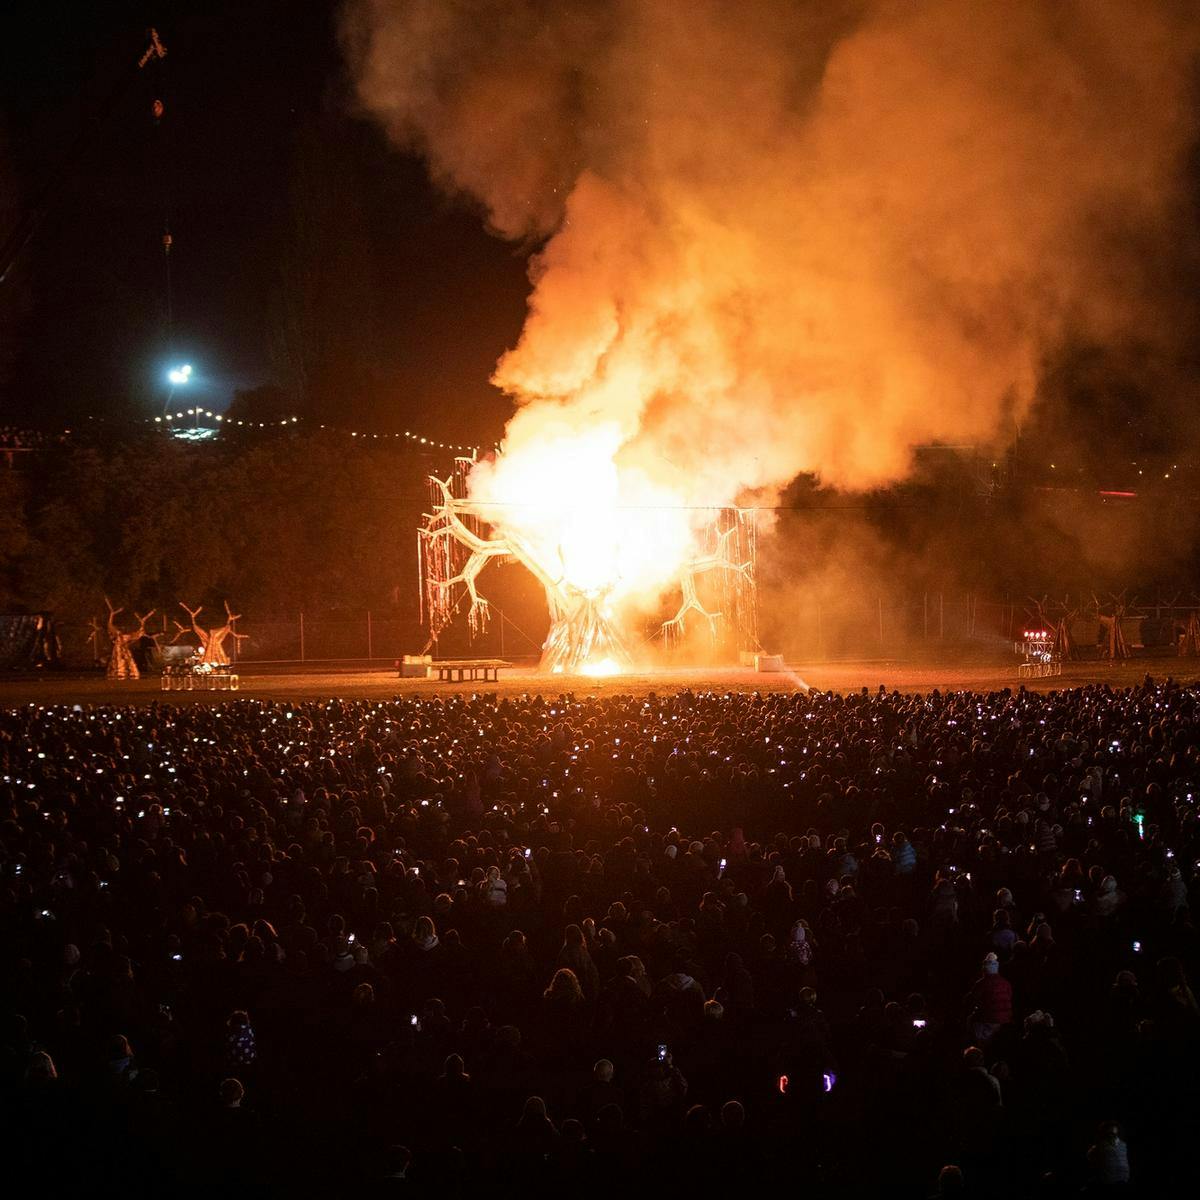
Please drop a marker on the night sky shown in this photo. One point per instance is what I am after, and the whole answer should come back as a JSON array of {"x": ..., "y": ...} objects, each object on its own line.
[
  {"x": 281, "y": 196},
  {"x": 259, "y": 140}
]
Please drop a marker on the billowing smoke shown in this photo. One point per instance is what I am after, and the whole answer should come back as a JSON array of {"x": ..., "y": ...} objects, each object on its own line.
[{"x": 782, "y": 236}]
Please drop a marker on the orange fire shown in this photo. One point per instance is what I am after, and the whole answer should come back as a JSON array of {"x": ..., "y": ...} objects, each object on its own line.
[{"x": 589, "y": 522}]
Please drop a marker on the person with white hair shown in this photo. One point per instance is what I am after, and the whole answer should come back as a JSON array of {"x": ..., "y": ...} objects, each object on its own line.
[{"x": 1109, "y": 899}]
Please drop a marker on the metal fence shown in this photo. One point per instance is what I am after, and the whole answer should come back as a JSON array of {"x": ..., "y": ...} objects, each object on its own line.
[
  {"x": 856, "y": 627},
  {"x": 859, "y": 626},
  {"x": 298, "y": 637},
  {"x": 807, "y": 629},
  {"x": 306, "y": 637}
]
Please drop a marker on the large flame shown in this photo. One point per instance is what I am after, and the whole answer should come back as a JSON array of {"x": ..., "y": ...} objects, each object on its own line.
[
  {"x": 787, "y": 236},
  {"x": 603, "y": 527}
]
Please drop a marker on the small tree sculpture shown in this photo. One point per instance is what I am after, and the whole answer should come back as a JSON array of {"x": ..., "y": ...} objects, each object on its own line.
[
  {"x": 121, "y": 663},
  {"x": 212, "y": 641}
]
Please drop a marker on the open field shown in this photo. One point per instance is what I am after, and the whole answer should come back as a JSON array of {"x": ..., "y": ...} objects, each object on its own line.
[{"x": 354, "y": 682}]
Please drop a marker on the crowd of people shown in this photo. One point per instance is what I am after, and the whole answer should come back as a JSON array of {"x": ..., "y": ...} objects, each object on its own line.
[
  {"x": 862, "y": 944},
  {"x": 13, "y": 437}
]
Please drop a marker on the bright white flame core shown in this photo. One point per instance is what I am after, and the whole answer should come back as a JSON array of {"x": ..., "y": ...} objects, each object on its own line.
[
  {"x": 586, "y": 519},
  {"x": 606, "y": 666}
]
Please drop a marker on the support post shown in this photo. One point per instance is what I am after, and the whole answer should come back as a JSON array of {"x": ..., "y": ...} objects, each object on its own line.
[
  {"x": 370, "y": 646},
  {"x": 302, "y": 637}
]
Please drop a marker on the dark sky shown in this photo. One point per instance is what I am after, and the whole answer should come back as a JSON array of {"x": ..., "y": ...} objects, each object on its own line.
[
  {"x": 415, "y": 300},
  {"x": 281, "y": 198}
]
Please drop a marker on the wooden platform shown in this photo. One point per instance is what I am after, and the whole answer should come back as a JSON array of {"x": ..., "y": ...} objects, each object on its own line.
[{"x": 457, "y": 670}]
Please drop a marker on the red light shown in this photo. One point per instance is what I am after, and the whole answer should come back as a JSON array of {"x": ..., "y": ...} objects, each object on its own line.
[{"x": 783, "y": 1085}]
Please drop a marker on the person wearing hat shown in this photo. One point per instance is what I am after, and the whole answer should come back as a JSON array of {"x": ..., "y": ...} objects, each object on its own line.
[{"x": 990, "y": 1001}]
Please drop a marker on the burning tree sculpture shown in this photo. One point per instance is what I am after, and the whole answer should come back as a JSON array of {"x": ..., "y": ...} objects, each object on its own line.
[
  {"x": 121, "y": 663},
  {"x": 735, "y": 579},
  {"x": 1064, "y": 642},
  {"x": 1057, "y": 621},
  {"x": 1113, "y": 644},
  {"x": 457, "y": 541},
  {"x": 1187, "y": 634},
  {"x": 212, "y": 641}
]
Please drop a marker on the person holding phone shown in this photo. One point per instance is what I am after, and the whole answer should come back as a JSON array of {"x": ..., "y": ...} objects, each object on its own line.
[{"x": 664, "y": 1092}]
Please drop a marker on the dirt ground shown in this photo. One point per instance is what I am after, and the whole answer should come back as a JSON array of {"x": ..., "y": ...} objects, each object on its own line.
[{"x": 353, "y": 682}]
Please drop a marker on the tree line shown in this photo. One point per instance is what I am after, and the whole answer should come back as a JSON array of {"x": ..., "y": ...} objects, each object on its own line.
[
  {"x": 315, "y": 522},
  {"x": 321, "y": 522}
]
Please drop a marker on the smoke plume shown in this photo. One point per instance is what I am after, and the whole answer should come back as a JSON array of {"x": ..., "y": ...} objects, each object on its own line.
[{"x": 786, "y": 236}]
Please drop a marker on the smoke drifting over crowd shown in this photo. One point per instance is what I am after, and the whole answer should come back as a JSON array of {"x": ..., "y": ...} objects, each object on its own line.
[{"x": 789, "y": 237}]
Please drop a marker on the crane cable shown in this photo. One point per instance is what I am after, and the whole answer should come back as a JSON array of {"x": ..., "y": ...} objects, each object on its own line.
[
  {"x": 154, "y": 55},
  {"x": 30, "y": 221}
]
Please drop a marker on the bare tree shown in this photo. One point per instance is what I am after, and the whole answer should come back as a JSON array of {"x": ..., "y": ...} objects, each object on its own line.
[
  {"x": 212, "y": 641},
  {"x": 121, "y": 663}
]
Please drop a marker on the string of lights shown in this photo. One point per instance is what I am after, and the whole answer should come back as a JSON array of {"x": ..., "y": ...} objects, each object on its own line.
[
  {"x": 413, "y": 437},
  {"x": 196, "y": 414}
]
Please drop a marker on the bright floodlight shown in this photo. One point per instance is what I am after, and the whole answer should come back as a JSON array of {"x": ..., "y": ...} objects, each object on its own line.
[{"x": 180, "y": 375}]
